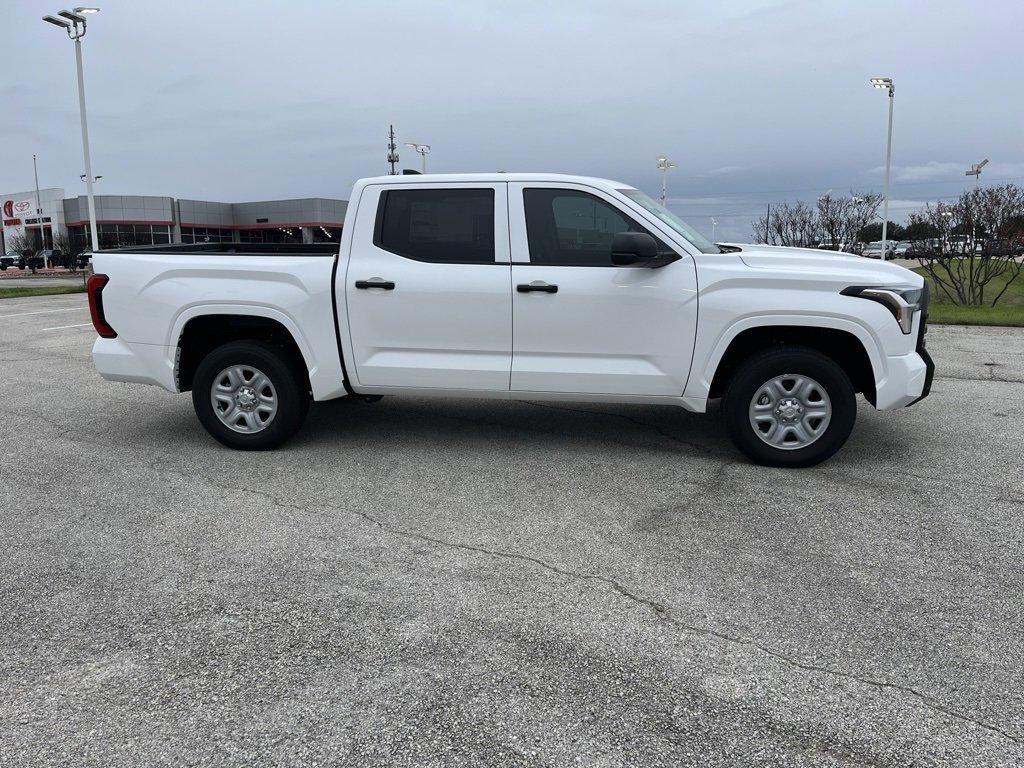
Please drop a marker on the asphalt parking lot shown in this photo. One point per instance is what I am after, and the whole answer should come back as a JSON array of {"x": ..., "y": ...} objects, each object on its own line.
[{"x": 420, "y": 582}]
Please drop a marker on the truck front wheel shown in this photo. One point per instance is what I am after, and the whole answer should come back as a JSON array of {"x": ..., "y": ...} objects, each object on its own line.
[
  {"x": 249, "y": 395},
  {"x": 789, "y": 407}
]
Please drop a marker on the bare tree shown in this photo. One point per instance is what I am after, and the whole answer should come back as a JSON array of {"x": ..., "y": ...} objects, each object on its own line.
[
  {"x": 834, "y": 220},
  {"x": 863, "y": 210},
  {"x": 23, "y": 243},
  {"x": 978, "y": 245},
  {"x": 62, "y": 242},
  {"x": 792, "y": 225}
]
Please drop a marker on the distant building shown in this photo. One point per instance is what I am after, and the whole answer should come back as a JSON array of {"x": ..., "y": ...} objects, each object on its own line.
[{"x": 141, "y": 220}]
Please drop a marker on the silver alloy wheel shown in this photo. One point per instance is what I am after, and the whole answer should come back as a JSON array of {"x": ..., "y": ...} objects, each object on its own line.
[
  {"x": 790, "y": 411},
  {"x": 244, "y": 399}
]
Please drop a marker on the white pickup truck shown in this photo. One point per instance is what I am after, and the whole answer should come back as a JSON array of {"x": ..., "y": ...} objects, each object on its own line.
[{"x": 516, "y": 286}]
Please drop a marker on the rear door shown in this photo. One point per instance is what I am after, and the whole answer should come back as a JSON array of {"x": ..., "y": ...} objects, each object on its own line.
[
  {"x": 428, "y": 287},
  {"x": 580, "y": 323}
]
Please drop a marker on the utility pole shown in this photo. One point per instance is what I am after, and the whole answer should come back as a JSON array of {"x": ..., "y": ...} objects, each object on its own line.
[
  {"x": 392, "y": 152},
  {"x": 39, "y": 205}
]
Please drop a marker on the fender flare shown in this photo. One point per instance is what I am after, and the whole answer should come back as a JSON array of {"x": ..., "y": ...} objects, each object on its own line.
[
  {"x": 193, "y": 311},
  {"x": 700, "y": 386}
]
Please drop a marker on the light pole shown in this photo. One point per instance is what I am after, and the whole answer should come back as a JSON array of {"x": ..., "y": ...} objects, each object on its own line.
[
  {"x": 714, "y": 226},
  {"x": 74, "y": 23},
  {"x": 663, "y": 165},
  {"x": 39, "y": 206},
  {"x": 886, "y": 82},
  {"x": 947, "y": 242},
  {"x": 976, "y": 171},
  {"x": 423, "y": 149}
]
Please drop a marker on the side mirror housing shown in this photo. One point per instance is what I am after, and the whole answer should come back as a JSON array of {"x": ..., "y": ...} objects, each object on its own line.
[
  {"x": 639, "y": 249},
  {"x": 633, "y": 248}
]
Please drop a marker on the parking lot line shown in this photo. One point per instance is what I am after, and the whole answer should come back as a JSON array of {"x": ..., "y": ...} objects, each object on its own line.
[
  {"x": 41, "y": 301},
  {"x": 41, "y": 312},
  {"x": 62, "y": 327}
]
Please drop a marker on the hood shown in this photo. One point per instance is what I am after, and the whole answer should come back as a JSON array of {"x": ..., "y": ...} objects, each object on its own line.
[{"x": 816, "y": 263}]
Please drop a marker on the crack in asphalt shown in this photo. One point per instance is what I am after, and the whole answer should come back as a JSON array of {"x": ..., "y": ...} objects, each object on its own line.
[
  {"x": 659, "y": 610},
  {"x": 983, "y": 379}
]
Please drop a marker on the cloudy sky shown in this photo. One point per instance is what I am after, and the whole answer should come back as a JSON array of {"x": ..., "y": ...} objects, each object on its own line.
[{"x": 756, "y": 100}]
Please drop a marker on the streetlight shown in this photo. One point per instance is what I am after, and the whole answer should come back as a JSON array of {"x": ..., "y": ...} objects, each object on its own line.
[
  {"x": 976, "y": 171},
  {"x": 74, "y": 23},
  {"x": 423, "y": 149},
  {"x": 663, "y": 165},
  {"x": 886, "y": 82}
]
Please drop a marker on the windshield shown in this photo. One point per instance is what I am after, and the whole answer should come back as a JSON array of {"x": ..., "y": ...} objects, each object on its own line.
[{"x": 653, "y": 206}]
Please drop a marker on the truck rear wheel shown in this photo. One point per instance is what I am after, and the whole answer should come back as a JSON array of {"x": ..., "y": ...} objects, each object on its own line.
[
  {"x": 249, "y": 395},
  {"x": 789, "y": 407}
]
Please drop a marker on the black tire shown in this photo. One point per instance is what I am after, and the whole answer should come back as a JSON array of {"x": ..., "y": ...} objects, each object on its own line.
[
  {"x": 760, "y": 368},
  {"x": 288, "y": 384}
]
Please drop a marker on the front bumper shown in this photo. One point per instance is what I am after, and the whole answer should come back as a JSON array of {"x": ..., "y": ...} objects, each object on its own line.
[{"x": 910, "y": 376}]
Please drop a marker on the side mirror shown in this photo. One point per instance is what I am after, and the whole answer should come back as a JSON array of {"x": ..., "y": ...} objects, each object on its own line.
[{"x": 634, "y": 248}]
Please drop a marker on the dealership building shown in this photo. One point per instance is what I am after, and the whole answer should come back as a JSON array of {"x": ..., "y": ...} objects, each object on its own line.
[{"x": 142, "y": 220}]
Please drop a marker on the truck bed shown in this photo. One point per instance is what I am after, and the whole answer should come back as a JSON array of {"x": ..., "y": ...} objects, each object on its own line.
[{"x": 154, "y": 291}]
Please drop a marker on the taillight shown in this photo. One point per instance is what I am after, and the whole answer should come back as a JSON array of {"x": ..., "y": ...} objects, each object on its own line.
[{"x": 99, "y": 322}]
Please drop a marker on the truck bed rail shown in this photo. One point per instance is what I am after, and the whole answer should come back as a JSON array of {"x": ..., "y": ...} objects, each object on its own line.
[{"x": 239, "y": 249}]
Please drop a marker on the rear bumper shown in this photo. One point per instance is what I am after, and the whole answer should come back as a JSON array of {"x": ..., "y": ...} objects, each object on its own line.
[{"x": 119, "y": 360}]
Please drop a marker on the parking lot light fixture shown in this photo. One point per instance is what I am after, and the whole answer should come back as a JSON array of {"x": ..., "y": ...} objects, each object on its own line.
[
  {"x": 86, "y": 9},
  {"x": 886, "y": 83},
  {"x": 663, "y": 165},
  {"x": 423, "y": 149},
  {"x": 75, "y": 23}
]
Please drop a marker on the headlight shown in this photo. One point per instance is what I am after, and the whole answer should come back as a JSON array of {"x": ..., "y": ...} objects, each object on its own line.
[{"x": 902, "y": 302}]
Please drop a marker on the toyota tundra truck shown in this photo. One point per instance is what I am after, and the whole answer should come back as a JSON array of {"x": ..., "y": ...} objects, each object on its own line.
[{"x": 516, "y": 286}]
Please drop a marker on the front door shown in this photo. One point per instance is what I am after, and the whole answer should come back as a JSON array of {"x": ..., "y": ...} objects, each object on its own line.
[
  {"x": 581, "y": 324},
  {"x": 427, "y": 287}
]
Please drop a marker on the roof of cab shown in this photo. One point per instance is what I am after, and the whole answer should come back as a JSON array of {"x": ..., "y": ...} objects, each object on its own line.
[{"x": 493, "y": 178}]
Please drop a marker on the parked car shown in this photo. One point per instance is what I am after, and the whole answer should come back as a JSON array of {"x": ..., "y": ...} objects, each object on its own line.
[
  {"x": 874, "y": 250},
  {"x": 30, "y": 260},
  {"x": 21, "y": 259},
  {"x": 901, "y": 248},
  {"x": 516, "y": 286},
  {"x": 52, "y": 257}
]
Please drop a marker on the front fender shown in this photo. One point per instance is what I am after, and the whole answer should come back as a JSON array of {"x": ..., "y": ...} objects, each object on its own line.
[{"x": 699, "y": 385}]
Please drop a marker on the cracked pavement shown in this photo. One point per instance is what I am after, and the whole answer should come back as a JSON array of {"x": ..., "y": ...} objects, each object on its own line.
[{"x": 424, "y": 582}]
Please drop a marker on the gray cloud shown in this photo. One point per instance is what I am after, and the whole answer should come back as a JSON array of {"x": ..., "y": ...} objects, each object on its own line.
[{"x": 755, "y": 101}]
